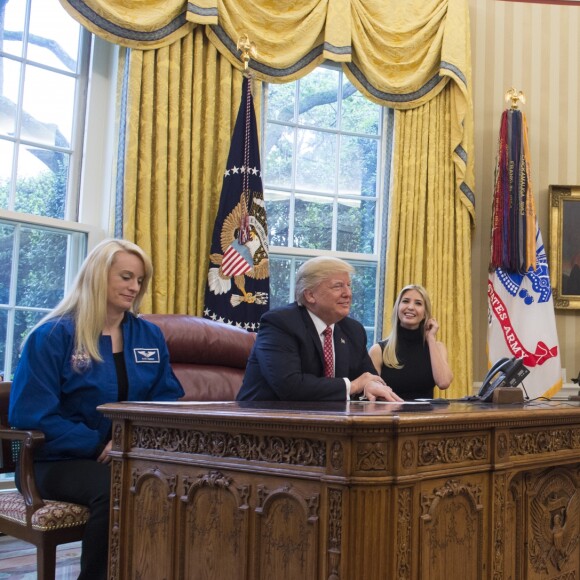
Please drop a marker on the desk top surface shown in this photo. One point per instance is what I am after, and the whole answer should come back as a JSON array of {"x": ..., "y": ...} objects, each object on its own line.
[{"x": 459, "y": 412}]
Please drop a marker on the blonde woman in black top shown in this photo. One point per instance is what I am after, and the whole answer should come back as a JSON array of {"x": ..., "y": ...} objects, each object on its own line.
[{"x": 411, "y": 360}]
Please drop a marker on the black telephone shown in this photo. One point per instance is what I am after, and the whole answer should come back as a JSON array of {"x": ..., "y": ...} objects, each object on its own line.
[{"x": 506, "y": 372}]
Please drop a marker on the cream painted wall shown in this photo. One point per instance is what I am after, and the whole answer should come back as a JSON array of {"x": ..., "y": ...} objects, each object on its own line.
[{"x": 536, "y": 49}]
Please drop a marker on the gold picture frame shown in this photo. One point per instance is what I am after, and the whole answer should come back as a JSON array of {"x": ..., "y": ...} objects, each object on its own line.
[{"x": 565, "y": 245}]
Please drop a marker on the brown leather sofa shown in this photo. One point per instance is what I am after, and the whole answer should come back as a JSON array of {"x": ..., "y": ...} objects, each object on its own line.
[{"x": 209, "y": 358}]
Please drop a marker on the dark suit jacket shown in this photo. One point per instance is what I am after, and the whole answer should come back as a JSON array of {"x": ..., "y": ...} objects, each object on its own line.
[{"x": 286, "y": 362}]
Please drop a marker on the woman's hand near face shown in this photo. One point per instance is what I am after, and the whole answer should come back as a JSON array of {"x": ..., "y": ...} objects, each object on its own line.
[
  {"x": 431, "y": 328},
  {"x": 441, "y": 371}
]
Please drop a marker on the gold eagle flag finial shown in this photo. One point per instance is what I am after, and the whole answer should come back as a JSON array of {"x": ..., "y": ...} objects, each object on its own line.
[
  {"x": 248, "y": 50},
  {"x": 514, "y": 96}
]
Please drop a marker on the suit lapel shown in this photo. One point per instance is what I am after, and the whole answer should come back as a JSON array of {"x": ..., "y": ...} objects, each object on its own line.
[
  {"x": 312, "y": 332},
  {"x": 341, "y": 352}
]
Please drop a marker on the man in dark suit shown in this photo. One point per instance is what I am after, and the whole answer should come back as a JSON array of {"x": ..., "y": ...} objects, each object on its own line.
[{"x": 287, "y": 362}]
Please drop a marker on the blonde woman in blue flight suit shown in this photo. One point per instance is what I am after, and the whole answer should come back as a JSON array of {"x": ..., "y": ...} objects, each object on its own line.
[{"x": 90, "y": 350}]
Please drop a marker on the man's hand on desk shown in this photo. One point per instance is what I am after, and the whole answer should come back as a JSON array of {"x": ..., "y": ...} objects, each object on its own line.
[
  {"x": 372, "y": 387},
  {"x": 378, "y": 390}
]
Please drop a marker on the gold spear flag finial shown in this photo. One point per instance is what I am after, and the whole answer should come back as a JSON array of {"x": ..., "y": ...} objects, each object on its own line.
[
  {"x": 514, "y": 96},
  {"x": 247, "y": 48}
]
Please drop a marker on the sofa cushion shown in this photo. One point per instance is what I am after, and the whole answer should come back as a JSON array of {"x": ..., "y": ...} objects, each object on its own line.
[
  {"x": 209, "y": 358},
  {"x": 208, "y": 383}
]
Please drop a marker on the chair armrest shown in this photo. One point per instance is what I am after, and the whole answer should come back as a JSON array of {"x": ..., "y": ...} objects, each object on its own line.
[{"x": 29, "y": 440}]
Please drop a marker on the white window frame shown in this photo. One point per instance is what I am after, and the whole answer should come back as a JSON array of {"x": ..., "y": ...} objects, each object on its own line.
[
  {"x": 377, "y": 258},
  {"x": 90, "y": 191}
]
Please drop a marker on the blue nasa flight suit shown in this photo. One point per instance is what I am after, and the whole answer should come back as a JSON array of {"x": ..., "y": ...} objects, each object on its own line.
[{"x": 48, "y": 394}]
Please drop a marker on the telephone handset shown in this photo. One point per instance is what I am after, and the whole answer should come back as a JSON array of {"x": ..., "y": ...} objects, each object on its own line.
[{"x": 506, "y": 372}]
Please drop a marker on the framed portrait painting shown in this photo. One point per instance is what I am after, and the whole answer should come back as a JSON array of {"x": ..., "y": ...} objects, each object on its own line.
[{"x": 565, "y": 245}]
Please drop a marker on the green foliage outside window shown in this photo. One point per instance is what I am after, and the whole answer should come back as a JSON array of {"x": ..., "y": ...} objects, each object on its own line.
[{"x": 321, "y": 170}]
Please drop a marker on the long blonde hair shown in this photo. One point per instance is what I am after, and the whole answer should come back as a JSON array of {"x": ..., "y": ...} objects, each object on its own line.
[
  {"x": 390, "y": 351},
  {"x": 86, "y": 301}
]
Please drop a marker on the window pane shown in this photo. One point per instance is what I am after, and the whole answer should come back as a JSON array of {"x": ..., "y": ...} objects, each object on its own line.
[
  {"x": 281, "y": 100},
  {"x": 359, "y": 115},
  {"x": 6, "y": 244},
  {"x": 364, "y": 283},
  {"x": 42, "y": 114},
  {"x": 9, "y": 96},
  {"x": 319, "y": 98},
  {"x": 41, "y": 268},
  {"x": 24, "y": 320},
  {"x": 54, "y": 36},
  {"x": 278, "y": 213},
  {"x": 278, "y": 155},
  {"x": 49, "y": 102},
  {"x": 279, "y": 281},
  {"x": 356, "y": 226},
  {"x": 313, "y": 222},
  {"x": 13, "y": 24},
  {"x": 6, "y": 152},
  {"x": 316, "y": 160},
  {"x": 42, "y": 181},
  {"x": 358, "y": 166}
]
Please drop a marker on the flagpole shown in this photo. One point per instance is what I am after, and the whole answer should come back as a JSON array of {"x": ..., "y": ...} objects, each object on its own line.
[
  {"x": 521, "y": 318},
  {"x": 238, "y": 281},
  {"x": 248, "y": 51}
]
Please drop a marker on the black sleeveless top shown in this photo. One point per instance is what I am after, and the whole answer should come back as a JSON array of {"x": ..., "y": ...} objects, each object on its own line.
[{"x": 415, "y": 379}]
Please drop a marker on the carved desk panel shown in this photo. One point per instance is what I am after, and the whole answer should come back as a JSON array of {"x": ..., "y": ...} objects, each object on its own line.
[{"x": 337, "y": 491}]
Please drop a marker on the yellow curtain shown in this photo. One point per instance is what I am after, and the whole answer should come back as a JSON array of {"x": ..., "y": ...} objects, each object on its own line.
[
  {"x": 429, "y": 241},
  {"x": 181, "y": 106}
]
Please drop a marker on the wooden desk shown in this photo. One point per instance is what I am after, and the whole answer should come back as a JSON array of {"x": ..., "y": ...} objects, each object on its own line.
[{"x": 344, "y": 491}]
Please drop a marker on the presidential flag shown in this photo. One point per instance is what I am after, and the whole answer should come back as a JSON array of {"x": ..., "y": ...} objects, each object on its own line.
[
  {"x": 521, "y": 318},
  {"x": 238, "y": 281}
]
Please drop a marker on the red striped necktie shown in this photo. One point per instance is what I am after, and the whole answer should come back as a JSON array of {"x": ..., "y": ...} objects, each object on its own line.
[{"x": 328, "y": 352}]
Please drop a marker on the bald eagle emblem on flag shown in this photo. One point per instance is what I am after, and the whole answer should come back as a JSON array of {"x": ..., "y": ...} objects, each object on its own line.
[{"x": 239, "y": 257}]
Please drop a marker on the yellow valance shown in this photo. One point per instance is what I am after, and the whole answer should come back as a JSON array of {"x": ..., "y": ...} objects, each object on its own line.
[
  {"x": 138, "y": 23},
  {"x": 397, "y": 53},
  {"x": 401, "y": 53}
]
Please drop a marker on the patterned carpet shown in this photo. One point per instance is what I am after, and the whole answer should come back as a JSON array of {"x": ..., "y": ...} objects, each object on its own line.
[{"x": 18, "y": 560}]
